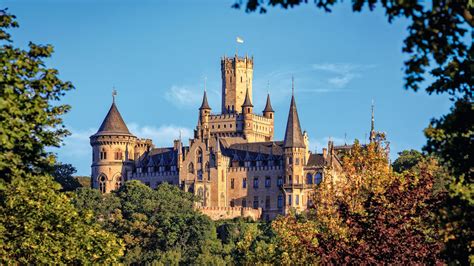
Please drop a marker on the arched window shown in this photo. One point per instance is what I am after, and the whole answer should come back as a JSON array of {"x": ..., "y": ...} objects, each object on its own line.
[
  {"x": 118, "y": 154},
  {"x": 318, "y": 178},
  {"x": 118, "y": 184},
  {"x": 309, "y": 179},
  {"x": 103, "y": 154},
  {"x": 199, "y": 155},
  {"x": 191, "y": 168},
  {"x": 200, "y": 194},
  {"x": 102, "y": 184}
]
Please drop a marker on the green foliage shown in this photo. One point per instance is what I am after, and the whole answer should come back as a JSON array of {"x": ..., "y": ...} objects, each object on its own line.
[
  {"x": 157, "y": 226},
  {"x": 38, "y": 224},
  {"x": 406, "y": 160},
  {"x": 29, "y": 121},
  {"x": 63, "y": 175}
]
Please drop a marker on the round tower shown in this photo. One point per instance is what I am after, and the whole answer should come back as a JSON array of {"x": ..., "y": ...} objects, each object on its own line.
[
  {"x": 247, "y": 110},
  {"x": 112, "y": 152}
]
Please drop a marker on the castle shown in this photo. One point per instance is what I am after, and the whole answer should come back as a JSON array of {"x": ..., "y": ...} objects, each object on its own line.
[{"x": 233, "y": 164}]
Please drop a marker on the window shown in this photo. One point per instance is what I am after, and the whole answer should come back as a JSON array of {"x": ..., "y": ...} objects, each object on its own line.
[
  {"x": 280, "y": 181},
  {"x": 267, "y": 202},
  {"x": 103, "y": 155},
  {"x": 199, "y": 174},
  {"x": 318, "y": 178},
  {"x": 309, "y": 179},
  {"x": 244, "y": 203},
  {"x": 200, "y": 194},
  {"x": 118, "y": 155},
  {"x": 118, "y": 184},
  {"x": 102, "y": 184},
  {"x": 244, "y": 183},
  {"x": 297, "y": 161},
  {"x": 255, "y": 202},
  {"x": 297, "y": 200},
  {"x": 232, "y": 203},
  {"x": 267, "y": 181},
  {"x": 232, "y": 183},
  {"x": 241, "y": 80},
  {"x": 199, "y": 155},
  {"x": 191, "y": 168},
  {"x": 289, "y": 200},
  {"x": 255, "y": 182},
  {"x": 280, "y": 201}
]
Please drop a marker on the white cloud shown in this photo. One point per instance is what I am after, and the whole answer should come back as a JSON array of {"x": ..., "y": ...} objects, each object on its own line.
[
  {"x": 339, "y": 75},
  {"x": 163, "y": 135},
  {"x": 184, "y": 96}
]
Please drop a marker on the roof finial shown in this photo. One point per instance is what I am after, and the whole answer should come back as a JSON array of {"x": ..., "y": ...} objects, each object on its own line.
[
  {"x": 205, "y": 83},
  {"x": 372, "y": 126},
  {"x": 114, "y": 93},
  {"x": 292, "y": 85},
  {"x": 268, "y": 86}
]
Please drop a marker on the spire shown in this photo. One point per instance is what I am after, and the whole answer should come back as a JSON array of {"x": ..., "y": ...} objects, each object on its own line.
[
  {"x": 205, "y": 104},
  {"x": 113, "y": 122},
  {"x": 247, "y": 102},
  {"x": 268, "y": 106},
  {"x": 372, "y": 126},
  {"x": 293, "y": 136}
]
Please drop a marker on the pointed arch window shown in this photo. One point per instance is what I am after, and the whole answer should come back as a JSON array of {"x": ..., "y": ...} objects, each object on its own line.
[
  {"x": 309, "y": 179},
  {"x": 199, "y": 155},
  {"x": 118, "y": 154},
  {"x": 102, "y": 184},
  {"x": 118, "y": 184},
  {"x": 318, "y": 178},
  {"x": 191, "y": 168},
  {"x": 103, "y": 154}
]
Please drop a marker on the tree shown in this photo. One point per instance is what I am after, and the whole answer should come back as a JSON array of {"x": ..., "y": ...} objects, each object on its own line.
[
  {"x": 157, "y": 226},
  {"x": 406, "y": 160},
  {"x": 38, "y": 224},
  {"x": 63, "y": 175},
  {"x": 436, "y": 43},
  {"x": 361, "y": 216}
]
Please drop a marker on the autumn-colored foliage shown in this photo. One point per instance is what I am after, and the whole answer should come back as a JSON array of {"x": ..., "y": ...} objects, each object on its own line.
[{"x": 369, "y": 214}]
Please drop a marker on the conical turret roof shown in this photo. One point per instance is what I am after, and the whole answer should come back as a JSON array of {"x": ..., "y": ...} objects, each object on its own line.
[
  {"x": 205, "y": 104},
  {"x": 113, "y": 123},
  {"x": 268, "y": 106},
  {"x": 247, "y": 102},
  {"x": 293, "y": 135}
]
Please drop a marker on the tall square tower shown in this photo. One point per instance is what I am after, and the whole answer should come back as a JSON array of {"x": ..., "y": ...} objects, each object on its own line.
[{"x": 237, "y": 75}]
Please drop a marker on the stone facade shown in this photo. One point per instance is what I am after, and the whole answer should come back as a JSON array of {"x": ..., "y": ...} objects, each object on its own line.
[{"x": 232, "y": 163}]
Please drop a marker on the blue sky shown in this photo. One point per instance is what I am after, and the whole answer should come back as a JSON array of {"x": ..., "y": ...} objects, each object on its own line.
[{"x": 157, "y": 53}]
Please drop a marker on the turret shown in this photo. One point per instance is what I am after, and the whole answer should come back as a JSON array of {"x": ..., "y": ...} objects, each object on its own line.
[
  {"x": 204, "y": 113},
  {"x": 247, "y": 109},
  {"x": 294, "y": 154},
  {"x": 268, "y": 111},
  {"x": 112, "y": 152}
]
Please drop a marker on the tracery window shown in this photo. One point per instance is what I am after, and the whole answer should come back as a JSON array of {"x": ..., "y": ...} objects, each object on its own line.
[
  {"x": 102, "y": 184},
  {"x": 191, "y": 168},
  {"x": 118, "y": 155},
  {"x": 318, "y": 178},
  {"x": 103, "y": 154}
]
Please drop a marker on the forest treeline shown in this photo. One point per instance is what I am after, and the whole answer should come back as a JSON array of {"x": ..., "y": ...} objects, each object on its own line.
[{"x": 417, "y": 210}]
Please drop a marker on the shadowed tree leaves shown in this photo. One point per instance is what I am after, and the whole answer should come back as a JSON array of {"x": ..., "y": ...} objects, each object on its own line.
[{"x": 38, "y": 224}]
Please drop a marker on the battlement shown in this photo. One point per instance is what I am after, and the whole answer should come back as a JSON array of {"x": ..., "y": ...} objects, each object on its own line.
[
  {"x": 236, "y": 61},
  {"x": 220, "y": 213},
  {"x": 255, "y": 168}
]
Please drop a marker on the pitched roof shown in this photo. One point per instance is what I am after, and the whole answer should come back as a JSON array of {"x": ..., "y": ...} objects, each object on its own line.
[
  {"x": 293, "y": 135},
  {"x": 247, "y": 102},
  {"x": 113, "y": 123},
  {"x": 316, "y": 160},
  {"x": 205, "y": 104},
  {"x": 268, "y": 106}
]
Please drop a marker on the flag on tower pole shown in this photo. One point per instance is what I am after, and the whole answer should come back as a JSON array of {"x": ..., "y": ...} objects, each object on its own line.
[{"x": 239, "y": 40}]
